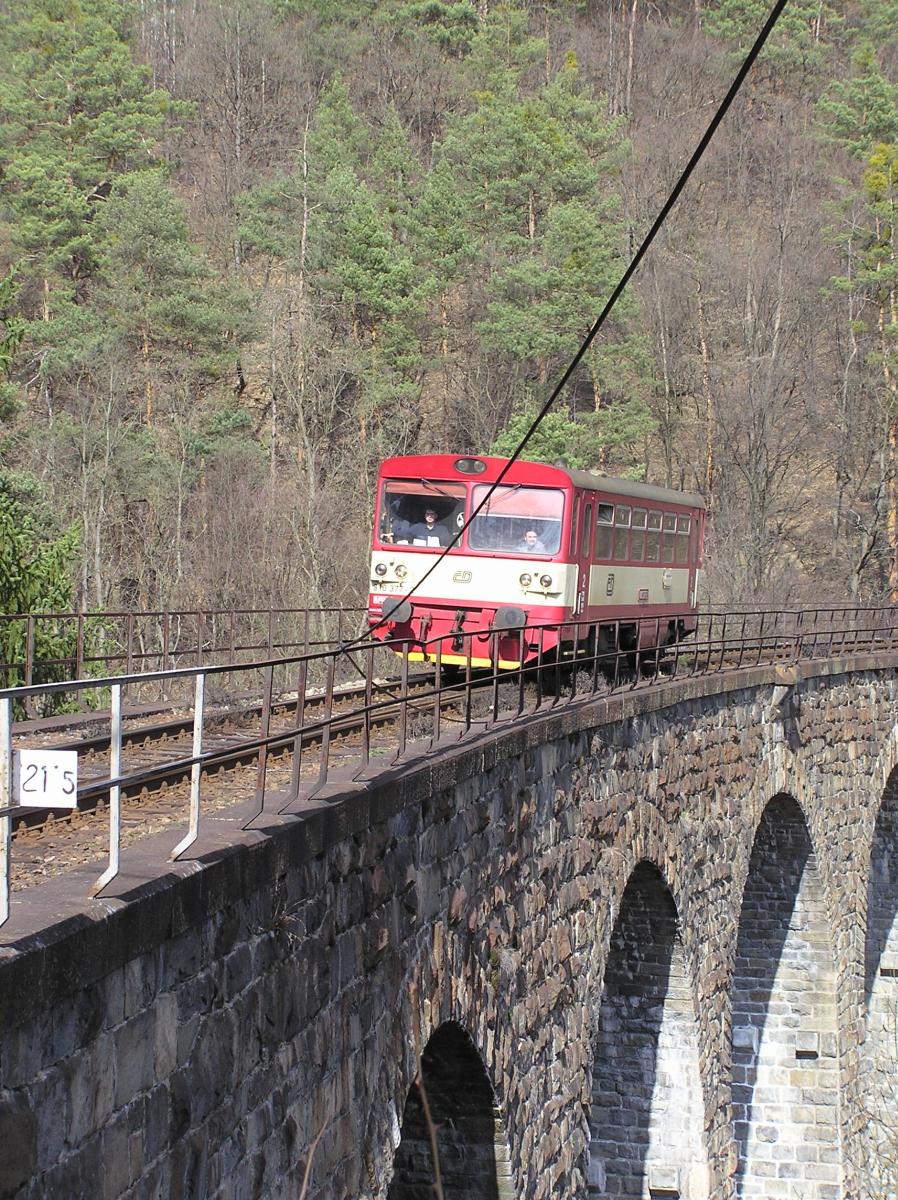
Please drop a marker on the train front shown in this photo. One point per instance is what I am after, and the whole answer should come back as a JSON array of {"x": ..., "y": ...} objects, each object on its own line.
[{"x": 506, "y": 570}]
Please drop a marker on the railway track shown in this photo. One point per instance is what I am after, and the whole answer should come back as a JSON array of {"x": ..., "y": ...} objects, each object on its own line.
[
  {"x": 48, "y": 843},
  {"x": 292, "y": 745},
  {"x": 158, "y": 754}
]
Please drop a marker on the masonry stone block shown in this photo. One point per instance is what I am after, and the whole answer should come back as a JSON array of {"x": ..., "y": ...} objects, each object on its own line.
[{"x": 18, "y": 1145}]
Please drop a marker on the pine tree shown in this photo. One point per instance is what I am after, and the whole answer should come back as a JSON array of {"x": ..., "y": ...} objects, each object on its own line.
[
  {"x": 861, "y": 111},
  {"x": 798, "y": 42},
  {"x": 156, "y": 293},
  {"x": 75, "y": 113}
]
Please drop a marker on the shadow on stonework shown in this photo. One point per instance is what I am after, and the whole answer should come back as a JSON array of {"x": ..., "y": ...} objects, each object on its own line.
[
  {"x": 881, "y": 950},
  {"x": 784, "y": 1048},
  {"x": 646, "y": 1118},
  {"x": 880, "y": 1048},
  {"x": 472, "y": 1153}
]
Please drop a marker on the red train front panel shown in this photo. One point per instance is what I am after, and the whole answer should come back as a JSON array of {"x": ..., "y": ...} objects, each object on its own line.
[{"x": 507, "y": 569}]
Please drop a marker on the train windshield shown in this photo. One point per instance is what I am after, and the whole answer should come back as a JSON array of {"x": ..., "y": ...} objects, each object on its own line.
[
  {"x": 420, "y": 512},
  {"x": 517, "y": 520}
]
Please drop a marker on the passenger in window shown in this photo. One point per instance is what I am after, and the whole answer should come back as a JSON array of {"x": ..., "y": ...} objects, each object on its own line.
[
  {"x": 430, "y": 531},
  {"x": 530, "y": 543}
]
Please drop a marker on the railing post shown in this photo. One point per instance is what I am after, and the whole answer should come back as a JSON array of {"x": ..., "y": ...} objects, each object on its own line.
[
  {"x": 115, "y": 791},
  {"x": 369, "y": 695},
  {"x": 166, "y": 650},
  {"x": 262, "y": 767},
  {"x": 79, "y": 648},
  {"x": 324, "y": 760},
  {"x": 494, "y": 658},
  {"x": 200, "y": 637},
  {"x": 522, "y": 645},
  {"x": 5, "y": 805},
  {"x": 129, "y": 646},
  {"x": 300, "y": 713},
  {"x": 539, "y": 667},
  {"x": 596, "y": 639},
  {"x": 741, "y": 643},
  {"x": 438, "y": 692},
  {"x": 196, "y": 770},
  {"x": 574, "y": 654},
  {"x": 469, "y": 652},
  {"x": 675, "y": 666},
  {"x": 403, "y": 703},
  {"x": 29, "y": 650}
]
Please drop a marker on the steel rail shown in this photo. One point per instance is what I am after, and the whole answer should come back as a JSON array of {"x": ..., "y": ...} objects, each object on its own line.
[{"x": 586, "y": 665}]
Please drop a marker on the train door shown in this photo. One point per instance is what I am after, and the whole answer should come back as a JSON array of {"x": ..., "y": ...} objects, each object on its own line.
[{"x": 584, "y": 553}]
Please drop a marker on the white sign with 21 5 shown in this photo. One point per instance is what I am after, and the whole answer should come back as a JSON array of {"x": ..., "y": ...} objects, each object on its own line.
[{"x": 46, "y": 778}]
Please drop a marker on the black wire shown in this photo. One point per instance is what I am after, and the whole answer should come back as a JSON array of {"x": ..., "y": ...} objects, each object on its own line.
[{"x": 697, "y": 154}]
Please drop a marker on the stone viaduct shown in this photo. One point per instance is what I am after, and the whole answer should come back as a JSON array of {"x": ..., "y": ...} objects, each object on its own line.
[{"x": 641, "y": 946}]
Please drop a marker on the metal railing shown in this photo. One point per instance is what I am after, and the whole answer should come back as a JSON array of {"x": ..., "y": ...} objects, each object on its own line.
[
  {"x": 390, "y": 719},
  {"x": 40, "y": 648}
]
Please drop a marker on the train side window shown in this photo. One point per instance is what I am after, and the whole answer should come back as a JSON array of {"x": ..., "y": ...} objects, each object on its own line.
[
  {"x": 586, "y": 529},
  {"x": 653, "y": 538},
  {"x": 604, "y": 532},
  {"x": 669, "y": 526},
  {"x": 621, "y": 530},
  {"x": 637, "y": 535},
  {"x": 683, "y": 530}
]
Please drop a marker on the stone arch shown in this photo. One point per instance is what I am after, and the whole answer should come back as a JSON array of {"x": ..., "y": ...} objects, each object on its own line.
[
  {"x": 879, "y": 1051},
  {"x": 647, "y": 1112},
  {"x": 644, "y": 838},
  {"x": 785, "y": 1088},
  {"x": 472, "y": 1150},
  {"x": 780, "y": 773}
]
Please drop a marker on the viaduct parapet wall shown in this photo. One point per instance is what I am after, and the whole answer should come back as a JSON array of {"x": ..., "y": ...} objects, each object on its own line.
[{"x": 627, "y": 944}]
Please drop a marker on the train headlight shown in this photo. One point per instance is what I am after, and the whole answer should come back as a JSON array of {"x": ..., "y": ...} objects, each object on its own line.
[
  {"x": 401, "y": 571},
  {"x": 525, "y": 580},
  {"x": 380, "y": 569},
  {"x": 545, "y": 581}
]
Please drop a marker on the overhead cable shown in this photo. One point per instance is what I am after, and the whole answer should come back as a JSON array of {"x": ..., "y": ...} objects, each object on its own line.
[{"x": 697, "y": 154}]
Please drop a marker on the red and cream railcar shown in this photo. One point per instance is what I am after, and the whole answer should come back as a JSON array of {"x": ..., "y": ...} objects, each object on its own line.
[{"x": 550, "y": 545}]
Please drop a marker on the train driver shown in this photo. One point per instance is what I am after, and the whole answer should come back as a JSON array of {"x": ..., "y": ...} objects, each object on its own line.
[
  {"x": 430, "y": 531},
  {"x": 530, "y": 543}
]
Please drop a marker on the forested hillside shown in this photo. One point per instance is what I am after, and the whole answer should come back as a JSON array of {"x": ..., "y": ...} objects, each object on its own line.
[{"x": 249, "y": 247}]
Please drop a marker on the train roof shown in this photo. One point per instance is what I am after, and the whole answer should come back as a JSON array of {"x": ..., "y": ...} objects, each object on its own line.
[{"x": 443, "y": 467}]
